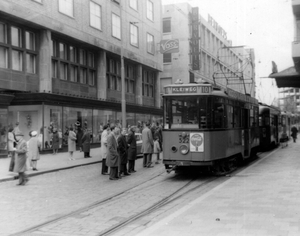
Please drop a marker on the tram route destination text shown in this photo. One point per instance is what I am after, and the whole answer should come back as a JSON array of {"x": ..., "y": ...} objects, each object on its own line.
[{"x": 190, "y": 89}]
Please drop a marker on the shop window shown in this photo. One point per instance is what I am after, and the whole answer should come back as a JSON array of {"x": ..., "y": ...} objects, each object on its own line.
[{"x": 3, "y": 130}]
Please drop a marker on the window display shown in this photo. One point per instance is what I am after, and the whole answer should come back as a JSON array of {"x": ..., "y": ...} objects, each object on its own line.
[{"x": 3, "y": 130}]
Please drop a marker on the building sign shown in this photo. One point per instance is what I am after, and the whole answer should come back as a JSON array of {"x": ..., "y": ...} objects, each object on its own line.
[
  {"x": 197, "y": 142},
  {"x": 169, "y": 46},
  {"x": 217, "y": 27},
  {"x": 195, "y": 39}
]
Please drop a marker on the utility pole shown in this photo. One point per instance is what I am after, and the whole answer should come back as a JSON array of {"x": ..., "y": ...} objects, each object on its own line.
[{"x": 123, "y": 89}]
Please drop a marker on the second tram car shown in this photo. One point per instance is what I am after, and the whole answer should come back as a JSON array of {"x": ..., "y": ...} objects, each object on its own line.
[{"x": 207, "y": 127}]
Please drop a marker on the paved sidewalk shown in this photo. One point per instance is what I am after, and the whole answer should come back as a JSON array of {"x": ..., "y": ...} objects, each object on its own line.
[
  {"x": 49, "y": 163},
  {"x": 262, "y": 200}
]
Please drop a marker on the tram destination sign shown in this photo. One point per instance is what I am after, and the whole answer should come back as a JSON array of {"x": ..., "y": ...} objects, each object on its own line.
[{"x": 191, "y": 89}]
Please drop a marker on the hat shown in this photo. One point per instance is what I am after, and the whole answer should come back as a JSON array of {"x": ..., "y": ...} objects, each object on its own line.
[
  {"x": 77, "y": 123},
  {"x": 33, "y": 133},
  {"x": 19, "y": 134}
]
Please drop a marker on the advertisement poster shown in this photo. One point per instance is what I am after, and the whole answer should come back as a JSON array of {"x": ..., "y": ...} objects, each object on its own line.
[{"x": 196, "y": 142}]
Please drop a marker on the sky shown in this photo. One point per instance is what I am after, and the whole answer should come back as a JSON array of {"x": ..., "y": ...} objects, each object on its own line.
[{"x": 267, "y": 26}]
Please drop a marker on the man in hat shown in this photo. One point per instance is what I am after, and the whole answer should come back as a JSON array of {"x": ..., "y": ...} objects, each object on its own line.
[
  {"x": 147, "y": 146},
  {"x": 33, "y": 150},
  {"x": 20, "y": 158}
]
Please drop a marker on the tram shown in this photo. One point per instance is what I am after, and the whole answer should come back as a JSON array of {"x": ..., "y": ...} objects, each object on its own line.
[
  {"x": 207, "y": 127},
  {"x": 269, "y": 126}
]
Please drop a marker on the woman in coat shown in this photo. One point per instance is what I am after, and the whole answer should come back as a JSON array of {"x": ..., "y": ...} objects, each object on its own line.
[
  {"x": 86, "y": 143},
  {"x": 33, "y": 150},
  {"x": 20, "y": 159},
  {"x": 55, "y": 141},
  {"x": 131, "y": 150},
  {"x": 71, "y": 143}
]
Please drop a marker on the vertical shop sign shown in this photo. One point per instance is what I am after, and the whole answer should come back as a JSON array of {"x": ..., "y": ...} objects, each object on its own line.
[{"x": 195, "y": 39}]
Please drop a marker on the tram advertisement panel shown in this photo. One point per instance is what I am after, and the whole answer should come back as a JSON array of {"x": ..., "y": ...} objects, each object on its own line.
[{"x": 196, "y": 142}]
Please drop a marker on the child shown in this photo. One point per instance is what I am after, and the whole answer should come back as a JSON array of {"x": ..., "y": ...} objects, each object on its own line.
[{"x": 156, "y": 150}]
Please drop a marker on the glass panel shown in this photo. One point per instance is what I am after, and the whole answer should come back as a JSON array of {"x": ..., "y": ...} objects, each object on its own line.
[
  {"x": 73, "y": 54},
  {"x": 3, "y": 57},
  {"x": 219, "y": 114},
  {"x": 74, "y": 73},
  {"x": 91, "y": 77},
  {"x": 134, "y": 35},
  {"x": 100, "y": 118},
  {"x": 52, "y": 122},
  {"x": 30, "y": 40},
  {"x": 3, "y": 33},
  {"x": 63, "y": 70},
  {"x": 17, "y": 60},
  {"x": 91, "y": 60},
  {"x": 54, "y": 69},
  {"x": 184, "y": 112},
  {"x": 150, "y": 43},
  {"x": 116, "y": 26},
  {"x": 95, "y": 15},
  {"x": 66, "y": 7},
  {"x": 30, "y": 63},
  {"x": 62, "y": 51},
  {"x": 166, "y": 25},
  {"x": 3, "y": 130},
  {"x": 149, "y": 10},
  {"x": 82, "y": 57},
  {"x": 16, "y": 37},
  {"x": 83, "y": 75},
  {"x": 133, "y": 4}
]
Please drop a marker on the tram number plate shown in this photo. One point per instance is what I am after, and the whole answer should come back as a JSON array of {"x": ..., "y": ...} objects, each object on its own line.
[{"x": 184, "y": 140}]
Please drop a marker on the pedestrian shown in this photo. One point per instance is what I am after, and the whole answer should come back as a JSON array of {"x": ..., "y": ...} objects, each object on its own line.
[
  {"x": 113, "y": 158},
  {"x": 105, "y": 133},
  {"x": 71, "y": 143},
  {"x": 21, "y": 158},
  {"x": 34, "y": 146},
  {"x": 147, "y": 146},
  {"x": 55, "y": 141},
  {"x": 158, "y": 137},
  {"x": 294, "y": 133},
  {"x": 123, "y": 153},
  {"x": 131, "y": 141},
  {"x": 60, "y": 138},
  {"x": 79, "y": 136},
  {"x": 10, "y": 142},
  {"x": 86, "y": 143},
  {"x": 156, "y": 150}
]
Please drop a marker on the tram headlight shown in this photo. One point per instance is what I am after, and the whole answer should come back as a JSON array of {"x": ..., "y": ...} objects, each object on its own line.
[
  {"x": 174, "y": 149},
  {"x": 184, "y": 149}
]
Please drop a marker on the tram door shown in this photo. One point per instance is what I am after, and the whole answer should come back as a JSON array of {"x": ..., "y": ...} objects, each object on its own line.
[{"x": 246, "y": 133}]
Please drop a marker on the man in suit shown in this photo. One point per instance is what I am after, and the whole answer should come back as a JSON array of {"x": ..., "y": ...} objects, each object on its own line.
[
  {"x": 147, "y": 147},
  {"x": 113, "y": 158},
  {"x": 123, "y": 152}
]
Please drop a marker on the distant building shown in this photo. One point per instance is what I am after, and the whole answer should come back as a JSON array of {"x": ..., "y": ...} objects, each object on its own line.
[
  {"x": 204, "y": 53},
  {"x": 60, "y": 64}
]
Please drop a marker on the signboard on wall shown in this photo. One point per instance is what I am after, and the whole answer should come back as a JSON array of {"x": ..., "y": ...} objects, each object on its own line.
[
  {"x": 195, "y": 39},
  {"x": 169, "y": 46}
]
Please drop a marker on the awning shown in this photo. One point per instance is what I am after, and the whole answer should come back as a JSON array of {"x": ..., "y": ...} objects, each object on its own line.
[{"x": 287, "y": 78}]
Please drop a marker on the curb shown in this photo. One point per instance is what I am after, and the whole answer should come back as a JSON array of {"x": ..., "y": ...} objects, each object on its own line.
[{"x": 49, "y": 171}]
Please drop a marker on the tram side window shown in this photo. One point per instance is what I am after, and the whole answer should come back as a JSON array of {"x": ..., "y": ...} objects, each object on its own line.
[
  {"x": 203, "y": 114},
  {"x": 237, "y": 116},
  {"x": 219, "y": 115},
  {"x": 229, "y": 116}
]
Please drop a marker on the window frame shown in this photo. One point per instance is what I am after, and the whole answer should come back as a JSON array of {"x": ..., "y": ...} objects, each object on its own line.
[
  {"x": 95, "y": 16},
  {"x": 170, "y": 25},
  {"x": 133, "y": 4},
  {"x": 150, "y": 12},
  {"x": 133, "y": 26},
  {"x": 62, "y": 10},
  {"x": 114, "y": 26},
  {"x": 148, "y": 44}
]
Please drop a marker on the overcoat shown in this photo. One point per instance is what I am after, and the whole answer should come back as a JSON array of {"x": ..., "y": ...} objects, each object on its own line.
[
  {"x": 71, "y": 141},
  {"x": 55, "y": 140},
  {"x": 10, "y": 141},
  {"x": 147, "y": 138},
  {"x": 79, "y": 136},
  {"x": 122, "y": 149},
  {"x": 20, "y": 157},
  {"x": 86, "y": 142},
  {"x": 104, "y": 144},
  {"x": 112, "y": 159},
  {"x": 132, "y": 150},
  {"x": 33, "y": 149}
]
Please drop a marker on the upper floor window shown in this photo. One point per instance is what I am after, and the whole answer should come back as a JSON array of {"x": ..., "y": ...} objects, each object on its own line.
[
  {"x": 95, "y": 15},
  {"x": 150, "y": 12},
  {"x": 167, "y": 57},
  {"x": 3, "y": 33},
  {"x": 148, "y": 83},
  {"x": 133, "y": 4},
  {"x": 66, "y": 7},
  {"x": 116, "y": 26},
  {"x": 134, "y": 35},
  {"x": 150, "y": 43},
  {"x": 30, "y": 40},
  {"x": 16, "y": 37},
  {"x": 167, "y": 25}
]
